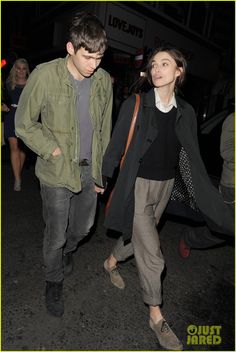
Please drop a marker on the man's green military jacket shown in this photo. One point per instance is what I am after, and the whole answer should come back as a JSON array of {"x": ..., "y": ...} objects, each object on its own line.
[{"x": 46, "y": 118}]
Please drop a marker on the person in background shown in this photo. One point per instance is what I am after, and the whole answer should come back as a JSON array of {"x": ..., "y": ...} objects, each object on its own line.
[
  {"x": 74, "y": 98},
  {"x": 227, "y": 150},
  {"x": 163, "y": 152},
  {"x": 15, "y": 84},
  {"x": 4, "y": 108},
  {"x": 200, "y": 237}
]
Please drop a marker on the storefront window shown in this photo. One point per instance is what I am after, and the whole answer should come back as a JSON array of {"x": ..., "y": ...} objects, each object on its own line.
[
  {"x": 198, "y": 17},
  {"x": 176, "y": 10}
]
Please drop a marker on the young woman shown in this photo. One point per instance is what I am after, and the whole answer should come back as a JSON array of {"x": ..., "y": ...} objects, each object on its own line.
[
  {"x": 163, "y": 146},
  {"x": 14, "y": 86}
]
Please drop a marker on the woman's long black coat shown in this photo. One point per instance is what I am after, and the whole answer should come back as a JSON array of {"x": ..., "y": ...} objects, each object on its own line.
[{"x": 196, "y": 190}]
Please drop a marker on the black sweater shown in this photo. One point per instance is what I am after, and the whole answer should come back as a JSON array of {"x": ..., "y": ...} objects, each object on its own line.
[{"x": 161, "y": 159}]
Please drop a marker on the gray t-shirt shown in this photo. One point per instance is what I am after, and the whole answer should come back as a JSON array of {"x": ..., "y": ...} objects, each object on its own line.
[{"x": 84, "y": 119}]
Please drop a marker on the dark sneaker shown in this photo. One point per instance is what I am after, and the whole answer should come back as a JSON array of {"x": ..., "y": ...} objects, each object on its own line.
[
  {"x": 166, "y": 336},
  {"x": 115, "y": 276},
  {"x": 67, "y": 263},
  {"x": 54, "y": 299}
]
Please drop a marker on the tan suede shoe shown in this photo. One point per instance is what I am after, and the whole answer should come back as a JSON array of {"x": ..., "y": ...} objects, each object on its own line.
[
  {"x": 166, "y": 336},
  {"x": 115, "y": 276}
]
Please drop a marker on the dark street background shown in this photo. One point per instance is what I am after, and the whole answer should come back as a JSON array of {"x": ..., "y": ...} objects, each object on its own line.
[{"x": 196, "y": 291}]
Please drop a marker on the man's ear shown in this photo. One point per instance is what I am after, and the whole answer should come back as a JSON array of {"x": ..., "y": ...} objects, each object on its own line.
[{"x": 70, "y": 49}]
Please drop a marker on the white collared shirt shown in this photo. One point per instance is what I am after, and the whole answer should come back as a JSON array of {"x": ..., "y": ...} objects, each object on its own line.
[{"x": 160, "y": 106}]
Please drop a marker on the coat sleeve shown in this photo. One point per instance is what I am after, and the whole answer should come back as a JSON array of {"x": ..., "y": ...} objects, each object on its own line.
[
  {"x": 117, "y": 144},
  {"x": 107, "y": 117},
  {"x": 27, "y": 124}
]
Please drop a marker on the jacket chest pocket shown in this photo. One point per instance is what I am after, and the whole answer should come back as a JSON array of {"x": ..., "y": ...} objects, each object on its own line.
[
  {"x": 59, "y": 110},
  {"x": 98, "y": 107}
]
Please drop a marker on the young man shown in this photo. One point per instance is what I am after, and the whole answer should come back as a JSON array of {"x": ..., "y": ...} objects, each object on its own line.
[{"x": 74, "y": 99}]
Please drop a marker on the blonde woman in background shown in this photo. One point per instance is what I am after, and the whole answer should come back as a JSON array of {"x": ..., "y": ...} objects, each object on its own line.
[{"x": 15, "y": 83}]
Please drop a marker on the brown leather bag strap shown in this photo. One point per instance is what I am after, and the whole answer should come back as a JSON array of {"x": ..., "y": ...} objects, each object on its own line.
[
  {"x": 130, "y": 135},
  {"x": 131, "y": 129}
]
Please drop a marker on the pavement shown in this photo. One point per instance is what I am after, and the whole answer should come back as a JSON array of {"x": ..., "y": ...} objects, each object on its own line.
[{"x": 198, "y": 292}]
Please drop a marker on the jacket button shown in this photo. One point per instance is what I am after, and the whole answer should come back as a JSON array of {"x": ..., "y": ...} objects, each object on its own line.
[
  {"x": 149, "y": 140},
  {"x": 140, "y": 160}
]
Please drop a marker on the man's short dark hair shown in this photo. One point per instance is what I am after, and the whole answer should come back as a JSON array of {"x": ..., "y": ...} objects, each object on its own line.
[{"x": 86, "y": 31}]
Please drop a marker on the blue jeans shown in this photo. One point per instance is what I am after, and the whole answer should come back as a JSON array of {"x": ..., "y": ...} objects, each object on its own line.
[{"x": 68, "y": 218}]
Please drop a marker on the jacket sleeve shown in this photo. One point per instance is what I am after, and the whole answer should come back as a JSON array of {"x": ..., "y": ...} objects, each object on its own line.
[
  {"x": 107, "y": 117},
  {"x": 27, "y": 124},
  {"x": 117, "y": 144}
]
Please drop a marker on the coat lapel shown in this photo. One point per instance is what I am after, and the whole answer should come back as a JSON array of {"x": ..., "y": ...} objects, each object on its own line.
[
  {"x": 150, "y": 109},
  {"x": 180, "y": 107},
  {"x": 149, "y": 120}
]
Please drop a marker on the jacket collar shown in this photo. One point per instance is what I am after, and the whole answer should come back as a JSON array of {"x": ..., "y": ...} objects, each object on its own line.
[
  {"x": 63, "y": 70},
  {"x": 149, "y": 99},
  {"x": 64, "y": 73}
]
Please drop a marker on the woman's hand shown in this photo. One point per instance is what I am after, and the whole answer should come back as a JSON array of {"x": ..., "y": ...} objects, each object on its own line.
[{"x": 99, "y": 189}]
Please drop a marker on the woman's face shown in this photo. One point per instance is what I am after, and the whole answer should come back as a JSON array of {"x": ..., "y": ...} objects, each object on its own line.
[
  {"x": 21, "y": 71},
  {"x": 164, "y": 70}
]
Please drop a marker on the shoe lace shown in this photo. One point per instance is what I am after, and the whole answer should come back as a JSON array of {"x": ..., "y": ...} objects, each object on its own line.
[
  {"x": 165, "y": 327},
  {"x": 115, "y": 271}
]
